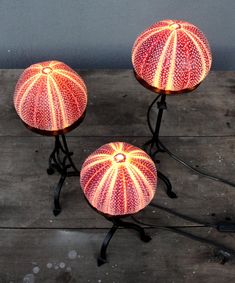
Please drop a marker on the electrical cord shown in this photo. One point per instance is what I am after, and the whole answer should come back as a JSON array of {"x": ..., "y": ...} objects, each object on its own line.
[
  {"x": 218, "y": 179},
  {"x": 178, "y": 159},
  {"x": 224, "y": 253},
  {"x": 180, "y": 215}
]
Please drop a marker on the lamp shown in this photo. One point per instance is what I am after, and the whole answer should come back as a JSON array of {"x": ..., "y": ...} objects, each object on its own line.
[
  {"x": 170, "y": 57},
  {"x": 118, "y": 180},
  {"x": 50, "y": 98}
]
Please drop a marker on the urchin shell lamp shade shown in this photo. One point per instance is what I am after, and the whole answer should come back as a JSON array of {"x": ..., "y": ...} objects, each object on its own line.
[
  {"x": 118, "y": 180},
  {"x": 169, "y": 57},
  {"x": 51, "y": 98}
]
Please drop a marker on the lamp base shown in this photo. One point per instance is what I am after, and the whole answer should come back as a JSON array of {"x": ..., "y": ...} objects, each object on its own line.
[
  {"x": 117, "y": 222},
  {"x": 154, "y": 141},
  {"x": 153, "y": 146},
  {"x": 60, "y": 161}
]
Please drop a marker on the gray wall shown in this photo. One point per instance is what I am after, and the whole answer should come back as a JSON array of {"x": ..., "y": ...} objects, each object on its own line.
[{"x": 100, "y": 33}]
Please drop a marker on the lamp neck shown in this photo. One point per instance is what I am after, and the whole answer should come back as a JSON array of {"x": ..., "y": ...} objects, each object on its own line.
[{"x": 161, "y": 107}]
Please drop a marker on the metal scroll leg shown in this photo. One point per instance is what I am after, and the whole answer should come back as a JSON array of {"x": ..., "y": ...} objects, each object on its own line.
[
  {"x": 166, "y": 181},
  {"x": 68, "y": 153},
  {"x": 102, "y": 258},
  {"x": 143, "y": 235},
  {"x": 57, "y": 190},
  {"x": 60, "y": 161},
  {"x": 155, "y": 143},
  {"x": 117, "y": 222}
]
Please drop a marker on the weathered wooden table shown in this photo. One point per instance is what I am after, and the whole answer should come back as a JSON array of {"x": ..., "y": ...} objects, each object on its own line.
[{"x": 200, "y": 127}]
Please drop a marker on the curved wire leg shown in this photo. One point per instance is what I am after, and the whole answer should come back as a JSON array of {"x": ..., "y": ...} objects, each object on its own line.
[
  {"x": 169, "y": 190},
  {"x": 146, "y": 145},
  {"x": 73, "y": 174},
  {"x": 50, "y": 170},
  {"x": 57, "y": 190},
  {"x": 143, "y": 235},
  {"x": 76, "y": 172},
  {"x": 102, "y": 258},
  {"x": 60, "y": 161}
]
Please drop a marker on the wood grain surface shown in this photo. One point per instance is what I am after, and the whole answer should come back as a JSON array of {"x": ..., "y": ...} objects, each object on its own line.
[{"x": 36, "y": 247}]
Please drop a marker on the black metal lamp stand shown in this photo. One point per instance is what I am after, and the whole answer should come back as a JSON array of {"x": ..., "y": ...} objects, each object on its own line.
[
  {"x": 118, "y": 222},
  {"x": 155, "y": 144},
  {"x": 60, "y": 159}
]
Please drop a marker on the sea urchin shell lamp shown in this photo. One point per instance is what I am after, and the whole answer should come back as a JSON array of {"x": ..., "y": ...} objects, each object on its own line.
[
  {"x": 118, "y": 180},
  {"x": 51, "y": 98},
  {"x": 169, "y": 57}
]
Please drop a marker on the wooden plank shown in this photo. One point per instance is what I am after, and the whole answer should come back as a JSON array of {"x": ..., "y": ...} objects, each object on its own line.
[
  {"x": 70, "y": 256},
  {"x": 26, "y": 190},
  {"x": 118, "y": 104}
]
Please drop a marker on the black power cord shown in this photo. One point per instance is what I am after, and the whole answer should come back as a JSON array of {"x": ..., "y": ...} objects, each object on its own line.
[
  {"x": 181, "y": 161},
  {"x": 223, "y": 253}
]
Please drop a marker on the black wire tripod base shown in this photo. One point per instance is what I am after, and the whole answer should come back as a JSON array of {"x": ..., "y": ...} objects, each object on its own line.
[
  {"x": 154, "y": 146},
  {"x": 61, "y": 161},
  {"x": 117, "y": 222}
]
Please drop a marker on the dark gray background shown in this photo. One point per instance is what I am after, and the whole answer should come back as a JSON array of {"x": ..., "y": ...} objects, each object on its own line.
[{"x": 100, "y": 33}]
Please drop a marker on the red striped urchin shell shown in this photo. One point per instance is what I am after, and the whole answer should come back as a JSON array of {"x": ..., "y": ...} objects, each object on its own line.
[
  {"x": 50, "y": 96},
  {"x": 171, "y": 55},
  {"x": 118, "y": 179}
]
